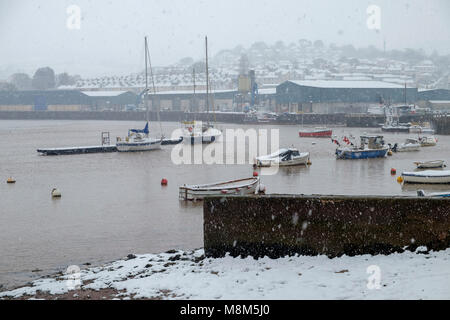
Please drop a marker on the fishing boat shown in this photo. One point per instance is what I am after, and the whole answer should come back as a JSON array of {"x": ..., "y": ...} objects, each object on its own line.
[
  {"x": 139, "y": 140},
  {"x": 234, "y": 187},
  {"x": 428, "y": 176},
  {"x": 428, "y": 141},
  {"x": 421, "y": 193},
  {"x": 409, "y": 145},
  {"x": 316, "y": 133},
  {"x": 371, "y": 147},
  {"x": 430, "y": 164},
  {"x": 283, "y": 157},
  {"x": 204, "y": 133}
]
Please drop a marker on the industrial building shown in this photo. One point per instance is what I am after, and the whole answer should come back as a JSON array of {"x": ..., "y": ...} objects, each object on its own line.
[
  {"x": 66, "y": 100},
  {"x": 339, "y": 96},
  {"x": 220, "y": 100},
  {"x": 436, "y": 100}
]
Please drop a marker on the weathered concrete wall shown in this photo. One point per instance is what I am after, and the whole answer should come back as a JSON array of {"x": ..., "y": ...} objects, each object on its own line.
[
  {"x": 441, "y": 124},
  {"x": 276, "y": 226}
]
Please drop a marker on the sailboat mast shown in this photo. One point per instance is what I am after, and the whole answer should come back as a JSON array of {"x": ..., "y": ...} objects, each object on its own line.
[
  {"x": 146, "y": 79},
  {"x": 207, "y": 80},
  {"x": 193, "y": 76}
]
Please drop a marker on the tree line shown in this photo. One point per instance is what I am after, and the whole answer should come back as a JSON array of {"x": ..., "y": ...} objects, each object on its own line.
[{"x": 43, "y": 79}]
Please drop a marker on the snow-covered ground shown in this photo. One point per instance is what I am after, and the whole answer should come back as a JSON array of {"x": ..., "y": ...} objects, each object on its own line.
[{"x": 189, "y": 275}]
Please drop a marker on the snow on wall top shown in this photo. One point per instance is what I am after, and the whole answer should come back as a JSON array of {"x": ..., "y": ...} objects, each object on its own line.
[{"x": 346, "y": 84}]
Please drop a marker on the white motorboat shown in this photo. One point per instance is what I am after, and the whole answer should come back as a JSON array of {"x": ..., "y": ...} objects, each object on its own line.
[
  {"x": 421, "y": 193},
  {"x": 234, "y": 187},
  {"x": 283, "y": 157},
  {"x": 428, "y": 141},
  {"x": 420, "y": 129},
  {"x": 408, "y": 145},
  {"x": 428, "y": 176},
  {"x": 430, "y": 164}
]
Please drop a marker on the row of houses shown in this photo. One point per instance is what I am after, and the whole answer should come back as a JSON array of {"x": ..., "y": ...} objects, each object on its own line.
[{"x": 313, "y": 96}]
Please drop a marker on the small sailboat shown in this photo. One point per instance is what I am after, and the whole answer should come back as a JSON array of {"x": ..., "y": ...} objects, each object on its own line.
[
  {"x": 139, "y": 140},
  {"x": 409, "y": 145},
  {"x": 234, "y": 187},
  {"x": 371, "y": 147},
  {"x": 428, "y": 176},
  {"x": 205, "y": 133},
  {"x": 430, "y": 164},
  {"x": 283, "y": 157}
]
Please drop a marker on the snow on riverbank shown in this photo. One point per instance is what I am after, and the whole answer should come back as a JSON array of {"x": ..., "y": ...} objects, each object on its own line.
[{"x": 188, "y": 275}]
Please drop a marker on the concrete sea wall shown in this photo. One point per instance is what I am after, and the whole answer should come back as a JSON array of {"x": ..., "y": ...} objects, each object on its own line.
[{"x": 276, "y": 226}]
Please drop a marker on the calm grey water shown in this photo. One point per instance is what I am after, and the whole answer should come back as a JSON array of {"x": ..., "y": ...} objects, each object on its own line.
[{"x": 113, "y": 204}]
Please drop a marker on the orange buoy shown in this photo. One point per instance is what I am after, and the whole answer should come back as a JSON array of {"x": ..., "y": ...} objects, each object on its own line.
[
  {"x": 255, "y": 174},
  {"x": 164, "y": 182},
  {"x": 393, "y": 172}
]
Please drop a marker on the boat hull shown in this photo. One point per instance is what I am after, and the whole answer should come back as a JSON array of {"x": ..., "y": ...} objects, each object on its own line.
[
  {"x": 427, "y": 177},
  {"x": 430, "y": 164},
  {"x": 238, "y": 187},
  {"x": 408, "y": 148},
  {"x": 302, "y": 160},
  {"x": 316, "y": 134},
  {"x": 361, "y": 154},
  {"x": 395, "y": 129},
  {"x": 138, "y": 146}
]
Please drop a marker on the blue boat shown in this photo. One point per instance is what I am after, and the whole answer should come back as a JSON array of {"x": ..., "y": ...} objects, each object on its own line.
[{"x": 371, "y": 147}]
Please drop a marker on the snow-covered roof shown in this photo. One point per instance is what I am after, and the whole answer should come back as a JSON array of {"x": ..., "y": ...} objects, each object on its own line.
[
  {"x": 103, "y": 93},
  {"x": 345, "y": 84}
]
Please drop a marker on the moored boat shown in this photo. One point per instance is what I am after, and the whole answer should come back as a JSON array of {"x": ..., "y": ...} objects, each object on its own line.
[
  {"x": 234, "y": 187},
  {"x": 316, "y": 133},
  {"x": 428, "y": 141},
  {"x": 430, "y": 164},
  {"x": 371, "y": 147},
  {"x": 428, "y": 176},
  {"x": 421, "y": 193},
  {"x": 407, "y": 146},
  {"x": 282, "y": 158}
]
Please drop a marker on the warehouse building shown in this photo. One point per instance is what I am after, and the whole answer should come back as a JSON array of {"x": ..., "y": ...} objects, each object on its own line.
[
  {"x": 66, "y": 100},
  {"x": 220, "y": 100},
  {"x": 436, "y": 100},
  {"x": 339, "y": 96}
]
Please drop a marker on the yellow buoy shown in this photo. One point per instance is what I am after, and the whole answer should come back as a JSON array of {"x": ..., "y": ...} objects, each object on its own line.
[
  {"x": 309, "y": 162},
  {"x": 400, "y": 180},
  {"x": 390, "y": 153},
  {"x": 10, "y": 180}
]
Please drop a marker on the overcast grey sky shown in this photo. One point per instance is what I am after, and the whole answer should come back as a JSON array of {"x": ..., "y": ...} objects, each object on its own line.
[{"x": 33, "y": 33}]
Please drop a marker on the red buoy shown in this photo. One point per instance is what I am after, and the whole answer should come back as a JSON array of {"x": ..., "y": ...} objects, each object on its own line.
[
  {"x": 255, "y": 174},
  {"x": 393, "y": 172},
  {"x": 164, "y": 182}
]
